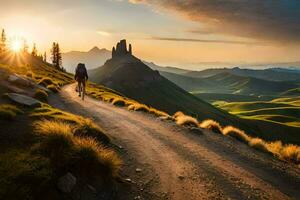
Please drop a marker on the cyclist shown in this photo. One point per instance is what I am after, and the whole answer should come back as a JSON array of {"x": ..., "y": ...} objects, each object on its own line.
[{"x": 81, "y": 77}]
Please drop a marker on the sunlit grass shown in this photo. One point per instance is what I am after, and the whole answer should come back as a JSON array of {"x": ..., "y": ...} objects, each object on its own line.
[{"x": 64, "y": 147}]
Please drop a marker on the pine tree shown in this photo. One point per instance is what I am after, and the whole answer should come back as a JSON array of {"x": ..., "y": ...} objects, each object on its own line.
[
  {"x": 25, "y": 46},
  {"x": 34, "y": 51},
  {"x": 56, "y": 56},
  {"x": 45, "y": 57},
  {"x": 3, "y": 41}
]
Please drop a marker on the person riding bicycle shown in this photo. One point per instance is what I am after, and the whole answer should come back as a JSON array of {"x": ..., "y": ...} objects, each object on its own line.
[{"x": 81, "y": 77}]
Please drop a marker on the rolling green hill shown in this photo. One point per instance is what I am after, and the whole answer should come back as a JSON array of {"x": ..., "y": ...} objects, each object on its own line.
[
  {"x": 229, "y": 83},
  {"x": 282, "y": 111}
]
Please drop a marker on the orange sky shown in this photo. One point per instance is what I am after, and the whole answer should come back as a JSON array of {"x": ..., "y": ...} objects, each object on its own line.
[{"x": 166, "y": 34}]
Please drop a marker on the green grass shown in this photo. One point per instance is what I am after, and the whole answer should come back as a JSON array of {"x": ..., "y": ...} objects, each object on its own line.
[
  {"x": 21, "y": 172},
  {"x": 284, "y": 111}
]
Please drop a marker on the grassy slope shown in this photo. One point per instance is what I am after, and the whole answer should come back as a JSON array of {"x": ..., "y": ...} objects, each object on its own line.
[
  {"x": 282, "y": 114},
  {"x": 28, "y": 146}
]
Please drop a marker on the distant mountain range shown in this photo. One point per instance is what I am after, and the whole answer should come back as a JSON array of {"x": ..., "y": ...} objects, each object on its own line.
[{"x": 92, "y": 58}]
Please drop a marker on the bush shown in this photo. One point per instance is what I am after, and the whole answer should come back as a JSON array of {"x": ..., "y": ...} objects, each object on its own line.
[
  {"x": 46, "y": 81},
  {"x": 41, "y": 95},
  {"x": 53, "y": 88},
  {"x": 87, "y": 128},
  {"x": 211, "y": 125}
]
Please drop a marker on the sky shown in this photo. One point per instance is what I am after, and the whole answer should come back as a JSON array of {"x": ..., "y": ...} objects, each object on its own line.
[{"x": 167, "y": 32}]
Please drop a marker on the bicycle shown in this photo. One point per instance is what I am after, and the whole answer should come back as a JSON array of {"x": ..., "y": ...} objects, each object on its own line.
[{"x": 81, "y": 89}]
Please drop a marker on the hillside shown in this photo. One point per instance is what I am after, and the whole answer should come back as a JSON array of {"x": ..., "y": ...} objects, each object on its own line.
[
  {"x": 229, "y": 83},
  {"x": 272, "y": 74},
  {"x": 169, "y": 69},
  {"x": 92, "y": 58},
  {"x": 128, "y": 75}
]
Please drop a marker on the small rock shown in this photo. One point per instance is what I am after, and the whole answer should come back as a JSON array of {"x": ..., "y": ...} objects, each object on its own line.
[
  {"x": 137, "y": 197},
  {"x": 128, "y": 180},
  {"x": 93, "y": 190},
  {"x": 181, "y": 177},
  {"x": 23, "y": 99},
  {"x": 195, "y": 130},
  {"x": 120, "y": 147},
  {"x": 16, "y": 79},
  {"x": 66, "y": 183},
  {"x": 138, "y": 170}
]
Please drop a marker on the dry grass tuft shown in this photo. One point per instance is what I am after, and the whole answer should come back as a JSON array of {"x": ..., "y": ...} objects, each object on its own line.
[
  {"x": 82, "y": 154},
  {"x": 56, "y": 141},
  {"x": 236, "y": 133},
  {"x": 53, "y": 88},
  {"x": 41, "y": 95},
  {"x": 87, "y": 128},
  {"x": 138, "y": 107},
  {"x": 211, "y": 125},
  {"x": 159, "y": 113},
  {"x": 291, "y": 152},
  {"x": 259, "y": 144},
  {"x": 9, "y": 112},
  {"x": 185, "y": 120},
  {"x": 46, "y": 81},
  {"x": 119, "y": 102},
  {"x": 91, "y": 157}
]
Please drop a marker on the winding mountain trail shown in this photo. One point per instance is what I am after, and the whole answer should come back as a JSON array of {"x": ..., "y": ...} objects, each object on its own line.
[{"x": 165, "y": 161}]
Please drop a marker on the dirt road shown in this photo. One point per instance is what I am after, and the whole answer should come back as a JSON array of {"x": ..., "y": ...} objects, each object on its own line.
[{"x": 164, "y": 161}]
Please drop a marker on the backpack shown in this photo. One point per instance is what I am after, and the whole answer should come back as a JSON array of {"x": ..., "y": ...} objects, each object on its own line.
[{"x": 81, "y": 71}]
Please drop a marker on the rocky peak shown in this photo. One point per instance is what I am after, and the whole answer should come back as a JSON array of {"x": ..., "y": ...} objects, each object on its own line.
[{"x": 121, "y": 49}]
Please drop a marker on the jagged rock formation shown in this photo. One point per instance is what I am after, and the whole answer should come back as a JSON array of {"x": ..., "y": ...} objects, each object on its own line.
[{"x": 121, "y": 49}]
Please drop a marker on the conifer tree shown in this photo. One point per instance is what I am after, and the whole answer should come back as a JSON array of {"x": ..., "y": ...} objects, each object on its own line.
[
  {"x": 34, "y": 50},
  {"x": 45, "y": 57},
  {"x": 56, "y": 56},
  {"x": 3, "y": 41},
  {"x": 25, "y": 46}
]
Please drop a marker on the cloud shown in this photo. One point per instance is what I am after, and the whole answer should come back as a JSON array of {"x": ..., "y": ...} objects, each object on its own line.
[
  {"x": 208, "y": 41},
  {"x": 104, "y": 33},
  {"x": 268, "y": 20}
]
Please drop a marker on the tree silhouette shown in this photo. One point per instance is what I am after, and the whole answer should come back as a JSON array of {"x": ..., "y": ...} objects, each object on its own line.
[
  {"x": 25, "y": 46},
  {"x": 3, "y": 41},
  {"x": 56, "y": 56},
  {"x": 34, "y": 50},
  {"x": 45, "y": 57}
]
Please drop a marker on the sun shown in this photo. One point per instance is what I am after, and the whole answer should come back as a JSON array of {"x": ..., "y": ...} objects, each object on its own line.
[{"x": 16, "y": 45}]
